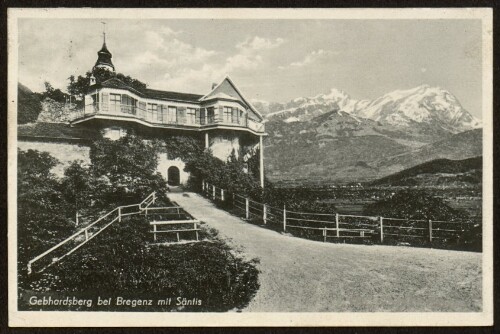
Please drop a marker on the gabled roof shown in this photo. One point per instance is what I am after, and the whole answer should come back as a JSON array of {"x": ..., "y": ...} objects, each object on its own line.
[{"x": 233, "y": 91}]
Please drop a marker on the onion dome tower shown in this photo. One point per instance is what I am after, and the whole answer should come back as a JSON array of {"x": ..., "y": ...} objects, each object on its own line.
[{"x": 104, "y": 57}]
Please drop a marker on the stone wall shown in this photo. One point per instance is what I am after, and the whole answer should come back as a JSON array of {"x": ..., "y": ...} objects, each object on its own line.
[
  {"x": 66, "y": 153},
  {"x": 53, "y": 111}
]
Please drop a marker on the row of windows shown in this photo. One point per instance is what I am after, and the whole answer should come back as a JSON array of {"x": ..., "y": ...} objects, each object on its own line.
[{"x": 169, "y": 114}]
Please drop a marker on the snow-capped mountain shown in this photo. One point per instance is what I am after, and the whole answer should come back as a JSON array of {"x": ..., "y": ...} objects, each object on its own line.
[{"x": 422, "y": 106}]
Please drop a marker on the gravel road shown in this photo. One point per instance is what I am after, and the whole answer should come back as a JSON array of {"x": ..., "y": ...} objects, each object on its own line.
[{"x": 299, "y": 275}]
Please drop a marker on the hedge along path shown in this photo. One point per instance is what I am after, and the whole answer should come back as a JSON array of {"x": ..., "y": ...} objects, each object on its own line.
[{"x": 300, "y": 275}]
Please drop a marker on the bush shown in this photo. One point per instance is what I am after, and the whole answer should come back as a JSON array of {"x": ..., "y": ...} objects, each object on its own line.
[
  {"x": 415, "y": 204},
  {"x": 42, "y": 215},
  {"x": 129, "y": 167},
  {"x": 208, "y": 271},
  {"x": 453, "y": 228}
]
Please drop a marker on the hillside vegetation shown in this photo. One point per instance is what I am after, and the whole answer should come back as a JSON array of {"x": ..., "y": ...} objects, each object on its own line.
[{"x": 29, "y": 105}]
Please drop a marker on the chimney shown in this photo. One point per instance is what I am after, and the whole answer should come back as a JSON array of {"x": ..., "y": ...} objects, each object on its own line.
[{"x": 214, "y": 85}]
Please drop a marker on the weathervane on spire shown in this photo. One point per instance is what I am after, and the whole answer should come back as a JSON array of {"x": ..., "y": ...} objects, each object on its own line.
[
  {"x": 104, "y": 31},
  {"x": 103, "y": 55}
]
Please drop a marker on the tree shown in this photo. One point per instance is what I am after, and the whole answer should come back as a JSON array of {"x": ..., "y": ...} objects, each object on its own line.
[
  {"x": 81, "y": 189},
  {"x": 41, "y": 207},
  {"x": 129, "y": 164},
  {"x": 79, "y": 86},
  {"x": 52, "y": 93}
]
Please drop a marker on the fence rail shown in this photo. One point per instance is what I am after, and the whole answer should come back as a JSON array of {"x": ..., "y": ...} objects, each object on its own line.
[
  {"x": 84, "y": 235},
  {"x": 341, "y": 226}
]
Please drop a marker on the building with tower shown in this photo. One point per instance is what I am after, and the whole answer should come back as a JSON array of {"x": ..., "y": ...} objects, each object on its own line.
[{"x": 223, "y": 119}]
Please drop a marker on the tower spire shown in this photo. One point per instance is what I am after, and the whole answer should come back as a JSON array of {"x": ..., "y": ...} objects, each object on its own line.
[{"x": 104, "y": 56}]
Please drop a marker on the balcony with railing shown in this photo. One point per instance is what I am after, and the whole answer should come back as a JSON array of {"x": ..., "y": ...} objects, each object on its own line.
[{"x": 189, "y": 118}]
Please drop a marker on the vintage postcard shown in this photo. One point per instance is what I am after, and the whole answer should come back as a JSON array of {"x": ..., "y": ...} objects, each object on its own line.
[{"x": 250, "y": 167}]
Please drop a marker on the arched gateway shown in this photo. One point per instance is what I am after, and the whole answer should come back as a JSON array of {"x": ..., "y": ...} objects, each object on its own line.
[{"x": 174, "y": 177}]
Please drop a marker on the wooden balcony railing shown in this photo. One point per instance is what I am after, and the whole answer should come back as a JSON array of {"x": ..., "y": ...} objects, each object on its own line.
[{"x": 157, "y": 117}]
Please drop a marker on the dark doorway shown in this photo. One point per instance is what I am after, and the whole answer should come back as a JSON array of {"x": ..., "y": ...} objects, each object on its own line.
[{"x": 174, "y": 177}]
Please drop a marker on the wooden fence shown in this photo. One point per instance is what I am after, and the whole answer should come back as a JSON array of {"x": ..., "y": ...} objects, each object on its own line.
[
  {"x": 80, "y": 238},
  {"x": 342, "y": 227}
]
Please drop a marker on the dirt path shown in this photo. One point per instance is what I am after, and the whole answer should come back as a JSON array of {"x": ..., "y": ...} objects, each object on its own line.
[{"x": 311, "y": 276}]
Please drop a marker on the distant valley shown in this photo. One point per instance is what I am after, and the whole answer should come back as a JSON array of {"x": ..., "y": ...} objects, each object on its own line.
[{"x": 332, "y": 138}]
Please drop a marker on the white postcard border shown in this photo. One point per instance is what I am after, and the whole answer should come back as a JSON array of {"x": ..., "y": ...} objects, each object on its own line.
[{"x": 138, "y": 319}]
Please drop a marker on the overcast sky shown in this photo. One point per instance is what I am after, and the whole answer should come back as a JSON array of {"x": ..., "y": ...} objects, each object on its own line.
[{"x": 272, "y": 60}]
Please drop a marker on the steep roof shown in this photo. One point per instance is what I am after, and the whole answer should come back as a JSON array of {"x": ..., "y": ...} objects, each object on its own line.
[
  {"x": 104, "y": 57},
  {"x": 54, "y": 131},
  {"x": 227, "y": 87}
]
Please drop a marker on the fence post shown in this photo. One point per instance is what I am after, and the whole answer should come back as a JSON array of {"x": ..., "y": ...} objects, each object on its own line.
[
  {"x": 246, "y": 208},
  {"x": 337, "y": 225},
  {"x": 284, "y": 218},
  {"x": 222, "y": 194},
  {"x": 76, "y": 221},
  {"x": 381, "y": 219},
  {"x": 86, "y": 234},
  {"x": 264, "y": 213},
  {"x": 154, "y": 197},
  {"x": 29, "y": 268},
  {"x": 233, "y": 199},
  {"x": 120, "y": 214},
  {"x": 203, "y": 185},
  {"x": 430, "y": 230},
  {"x": 213, "y": 192}
]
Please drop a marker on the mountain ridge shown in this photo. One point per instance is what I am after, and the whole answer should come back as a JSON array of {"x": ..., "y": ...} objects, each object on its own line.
[
  {"x": 401, "y": 108},
  {"x": 332, "y": 137}
]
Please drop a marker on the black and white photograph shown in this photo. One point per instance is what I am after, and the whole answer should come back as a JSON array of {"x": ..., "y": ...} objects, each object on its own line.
[{"x": 250, "y": 167}]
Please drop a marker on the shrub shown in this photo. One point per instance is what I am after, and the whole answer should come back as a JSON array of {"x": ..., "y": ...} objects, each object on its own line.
[
  {"x": 129, "y": 166},
  {"x": 453, "y": 228},
  {"x": 209, "y": 271},
  {"x": 414, "y": 204},
  {"x": 42, "y": 216}
]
